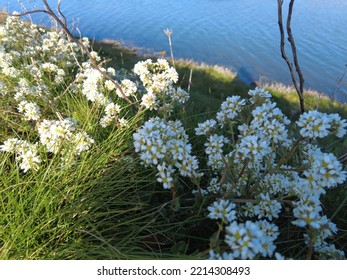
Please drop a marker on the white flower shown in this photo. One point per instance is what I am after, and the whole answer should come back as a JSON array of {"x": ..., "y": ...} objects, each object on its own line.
[
  {"x": 165, "y": 175},
  {"x": 158, "y": 78},
  {"x": 214, "y": 186},
  {"x": 307, "y": 213},
  {"x": 267, "y": 207},
  {"x": 30, "y": 109},
  {"x": 338, "y": 126},
  {"x": 329, "y": 251},
  {"x": 206, "y": 127},
  {"x": 149, "y": 101},
  {"x": 230, "y": 109},
  {"x": 91, "y": 86},
  {"x": 253, "y": 148},
  {"x": 314, "y": 124},
  {"x": 111, "y": 71},
  {"x": 259, "y": 95},
  {"x": 109, "y": 85},
  {"x": 246, "y": 240},
  {"x": 164, "y": 144},
  {"x": 112, "y": 109},
  {"x": 278, "y": 256},
  {"x": 214, "y": 150},
  {"x": 106, "y": 120},
  {"x": 59, "y": 137},
  {"x": 325, "y": 171},
  {"x": 49, "y": 67},
  {"x": 26, "y": 153},
  {"x": 222, "y": 209},
  {"x": 82, "y": 142},
  {"x": 179, "y": 95},
  {"x": 215, "y": 144},
  {"x": 128, "y": 88},
  {"x": 122, "y": 122},
  {"x": 29, "y": 160},
  {"x": 10, "y": 145},
  {"x": 95, "y": 56}
]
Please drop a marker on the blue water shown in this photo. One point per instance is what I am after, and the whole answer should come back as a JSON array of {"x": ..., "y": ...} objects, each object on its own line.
[{"x": 240, "y": 34}]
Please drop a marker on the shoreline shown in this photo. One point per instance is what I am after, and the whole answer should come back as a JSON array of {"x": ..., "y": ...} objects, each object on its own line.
[{"x": 268, "y": 84}]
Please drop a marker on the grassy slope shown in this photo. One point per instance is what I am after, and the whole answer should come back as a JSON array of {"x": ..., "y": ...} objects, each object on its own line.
[{"x": 98, "y": 210}]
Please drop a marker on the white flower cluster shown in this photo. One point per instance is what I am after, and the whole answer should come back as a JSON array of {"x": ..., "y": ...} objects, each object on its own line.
[
  {"x": 249, "y": 239},
  {"x": 128, "y": 87},
  {"x": 230, "y": 109},
  {"x": 46, "y": 50},
  {"x": 112, "y": 116},
  {"x": 214, "y": 151},
  {"x": 206, "y": 127},
  {"x": 315, "y": 124},
  {"x": 30, "y": 110},
  {"x": 60, "y": 137},
  {"x": 267, "y": 207},
  {"x": 92, "y": 85},
  {"x": 222, "y": 209},
  {"x": 251, "y": 149},
  {"x": 158, "y": 79},
  {"x": 164, "y": 144},
  {"x": 26, "y": 153},
  {"x": 324, "y": 171},
  {"x": 259, "y": 96},
  {"x": 250, "y": 171},
  {"x": 55, "y": 71}
]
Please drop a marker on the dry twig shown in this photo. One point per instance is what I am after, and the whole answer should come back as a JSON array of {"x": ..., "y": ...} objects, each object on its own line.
[{"x": 298, "y": 82}]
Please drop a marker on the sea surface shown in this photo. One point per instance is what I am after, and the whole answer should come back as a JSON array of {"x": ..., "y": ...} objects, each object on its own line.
[{"x": 240, "y": 34}]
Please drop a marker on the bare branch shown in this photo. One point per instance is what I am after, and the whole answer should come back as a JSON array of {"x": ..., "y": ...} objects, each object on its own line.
[
  {"x": 299, "y": 86},
  {"x": 292, "y": 42},
  {"x": 60, "y": 13}
]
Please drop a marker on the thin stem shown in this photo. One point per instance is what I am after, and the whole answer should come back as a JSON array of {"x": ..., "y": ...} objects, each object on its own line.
[{"x": 168, "y": 33}]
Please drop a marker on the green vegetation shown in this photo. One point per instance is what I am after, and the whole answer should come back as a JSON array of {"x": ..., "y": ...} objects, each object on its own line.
[{"x": 79, "y": 190}]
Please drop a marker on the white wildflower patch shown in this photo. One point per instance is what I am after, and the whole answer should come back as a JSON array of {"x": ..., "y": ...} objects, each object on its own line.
[
  {"x": 26, "y": 154},
  {"x": 206, "y": 127},
  {"x": 30, "y": 110},
  {"x": 259, "y": 96},
  {"x": 62, "y": 137},
  {"x": 111, "y": 116},
  {"x": 128, "y": 88},
  {"x": 249, "y": 239},
  {"x": 158, "y": 79},
  {"x": 230, "y": 109},
  {"x": 249, "y": 156},
  {"x": 314, "y": 124},
  {"x": 165, "y": 144}
]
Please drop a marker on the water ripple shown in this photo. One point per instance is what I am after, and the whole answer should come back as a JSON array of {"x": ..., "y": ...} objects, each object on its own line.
[{"x": 235, "y": 33}]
